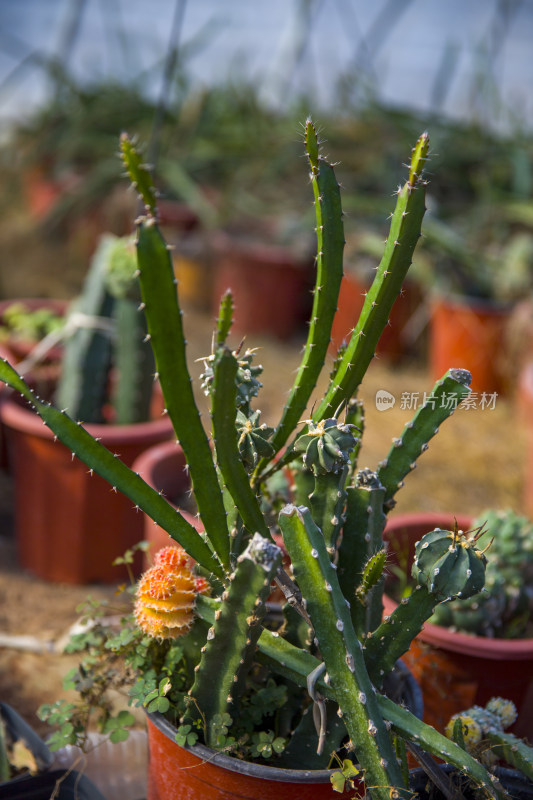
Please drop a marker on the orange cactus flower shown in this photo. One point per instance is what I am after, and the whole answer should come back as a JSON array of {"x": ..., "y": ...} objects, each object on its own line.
[{"x": 166, "y": 595}]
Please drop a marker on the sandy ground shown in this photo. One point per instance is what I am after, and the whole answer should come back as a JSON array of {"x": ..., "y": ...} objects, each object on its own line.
[{"x": 476, "y": 460}]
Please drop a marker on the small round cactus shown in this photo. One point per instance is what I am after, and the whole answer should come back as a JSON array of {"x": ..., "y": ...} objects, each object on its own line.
[
  {"x": 504, "y": 608},
  {"x": 253, "y": 439},
  {"x": 326, "y": 446},
  {"x": 449, "y": 564},
  {"x": 166, "y": 595},
  {"x": 477, "y": 722}
]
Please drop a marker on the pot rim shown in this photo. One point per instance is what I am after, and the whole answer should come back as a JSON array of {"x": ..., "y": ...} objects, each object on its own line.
[
  {"x": 251, "y": 769},
  {"x": 15, "y": 416},
  {"x": 458, "y": 642},
  {"x": 232, "y": 764}
]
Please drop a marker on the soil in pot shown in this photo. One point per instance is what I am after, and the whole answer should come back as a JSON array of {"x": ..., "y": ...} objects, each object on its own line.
[{"x": 458, "y": 670}]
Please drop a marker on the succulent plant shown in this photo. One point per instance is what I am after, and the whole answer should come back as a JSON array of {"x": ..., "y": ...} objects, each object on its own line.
[
  {"x": 106, "y": 341},
  {"x": 332, "y": 651},
  {"x": 504, "y": 607},
  {"x": 482, "y": 731}
]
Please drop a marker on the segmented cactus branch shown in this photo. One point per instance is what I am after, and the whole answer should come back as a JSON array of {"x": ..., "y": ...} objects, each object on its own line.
[
  {"x": 441, "y": 403},
  {"x": 330, "y": 247},
  {"x": 223, "y": 412},
  {"x": 230, "y": 647},
  {"x": 340, "y": 649},
  {"x": 401, "y": 242}
]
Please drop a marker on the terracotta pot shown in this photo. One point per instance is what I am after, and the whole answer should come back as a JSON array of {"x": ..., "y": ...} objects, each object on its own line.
[
  {"x": 458, "y": 670},
  {"x": 69, "y": 525},
  {"x": 395, "y": 341},
  {"x": 164, "y": 468},
  {"x": 270, "y": 288},
  {"x": 470, "y": 334},
  {"x": 199, "y": 773}
]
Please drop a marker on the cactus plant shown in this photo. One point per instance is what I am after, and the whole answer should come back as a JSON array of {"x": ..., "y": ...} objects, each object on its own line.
[
  {"x": 482, "y": 731},
  {"x": 229, "y": 673},
  {"x": 106, "y": 332},
  {"x": 504, "y": 607}
]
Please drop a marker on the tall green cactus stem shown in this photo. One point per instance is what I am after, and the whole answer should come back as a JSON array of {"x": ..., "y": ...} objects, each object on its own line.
[
  {"x": 82, "y": 387},
  {"x": 163, "y": 315},
  {"x": 341, "y": 650},
  {"x": 230, "y": 646},
  {"x": 355, "y": 415},
  {"x": 139, "y": 173},
  {"x": 227, "y": 446},
  {"x": 225, "y": 317},
  {"x": 447, "y": 564},
  {"x": 133, "y": 355},
  {"x": 330, "y": 247},
  {"x": 119, "y": 476},
  {"x": 441, "y": 403},
  {"x": 361, "y": 539},
  {"x": 134, "y": 364},
  {"x": 326, "y": 503},
  {"x": 164, "y": 319},
  {"x": 403, "y": 236}
]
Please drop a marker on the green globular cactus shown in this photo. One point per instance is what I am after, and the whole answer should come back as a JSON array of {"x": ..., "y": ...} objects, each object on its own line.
[
  {"x": 330, "y": 651},
  {"x": 447, "y": 565},
  {"x": 504, "y": 608}
]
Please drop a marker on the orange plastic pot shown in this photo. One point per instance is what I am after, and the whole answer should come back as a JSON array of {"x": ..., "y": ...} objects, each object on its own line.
[
  {"x": 395, "y": 341},
  {"x": 470, "y": 334},
  {"x": 70, "y": 526},
  {"x": 457, "y": 670},
  {"x": 270, "y": 288},
  {"x": 199, "y": 773}
]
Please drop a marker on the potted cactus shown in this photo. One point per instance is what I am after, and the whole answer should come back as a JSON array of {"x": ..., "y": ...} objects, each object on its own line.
[
  {"x": 477, "y": 280},
  {"x": 228, "y": 690},
  {"x": 473, "y": 649},
  {"x": 106, "y": 381}
]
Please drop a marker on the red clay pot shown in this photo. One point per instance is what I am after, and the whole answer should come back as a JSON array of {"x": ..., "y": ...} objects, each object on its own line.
[
  {"x": 394, "y": 342},
  {"x": 199, "y": 773},
  {"x": 458, "y": 670},
  {"x": 470, "y": 334},
  {"x": 271, "y": 289},
  {"x": 71, "y": 526},
  {"x": 164, "y": 468}
]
